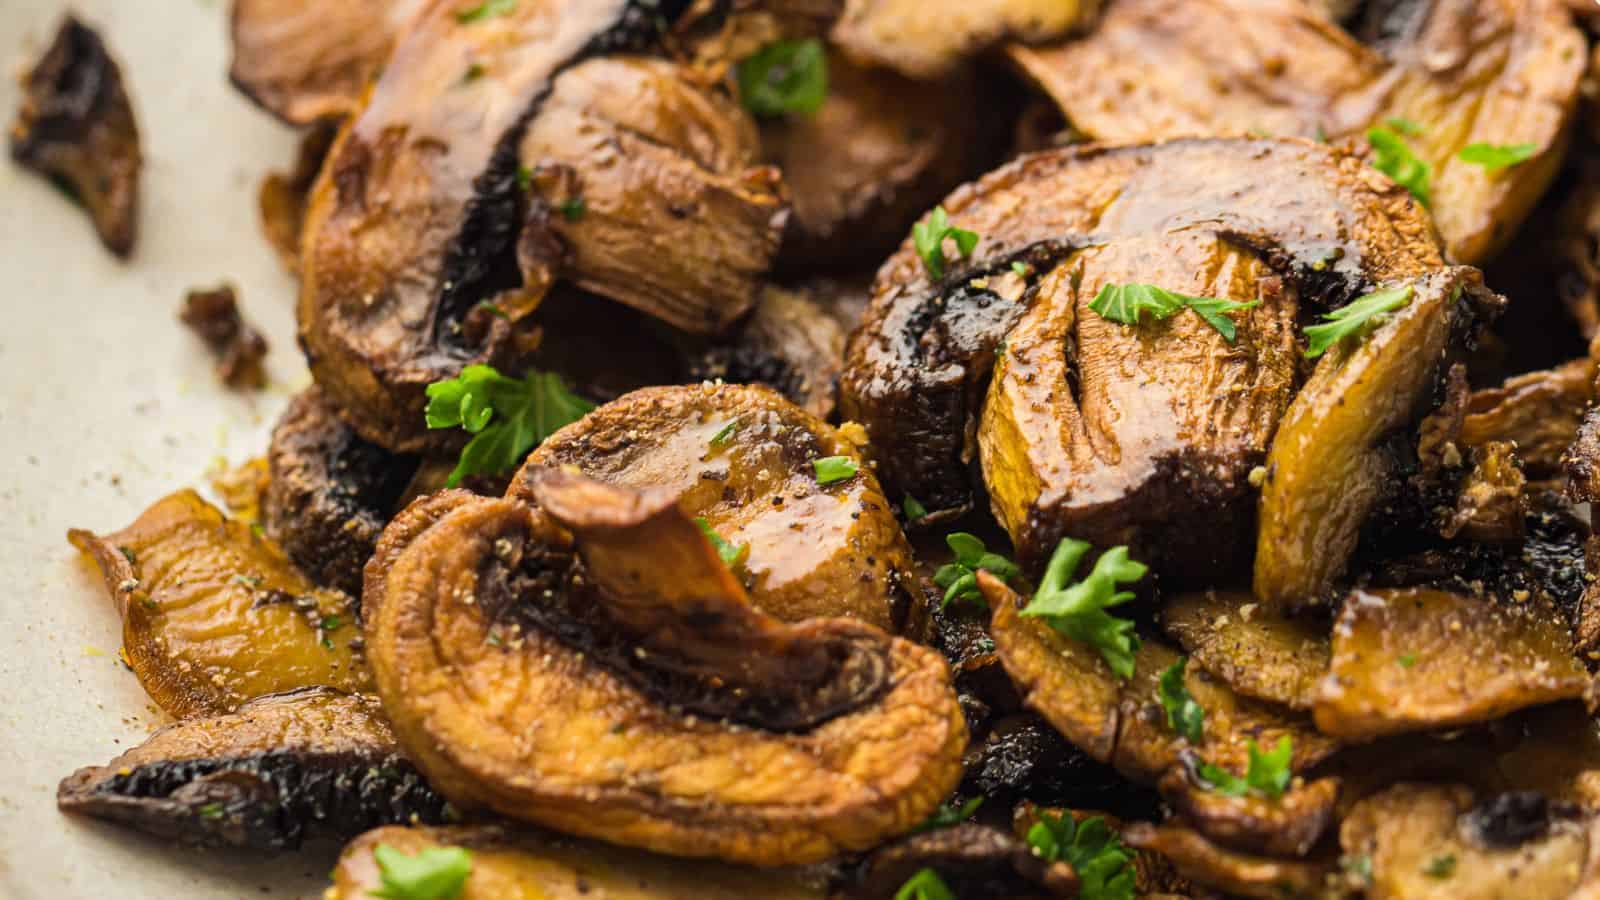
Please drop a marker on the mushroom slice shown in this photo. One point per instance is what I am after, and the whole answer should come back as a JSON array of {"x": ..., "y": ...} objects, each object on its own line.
[
  {"x": 1417, "y": 658},
  {"x": 213, "y": 615},
  {"x": 551, "y": 867},
  {"x": 304, "y": 60},
  {"x": 973, "y": 860},
  {"x": 1122, "y": 722},
  {"x": 330, "y": 493},
  {"x": 283, "y": 197},
  {"x": 1539, "y": 412},
  {"x": 1428, "y": 840},
  {"x": 1238, "y": 874},
  {"x": 926, "y": 41},
  {"x": 1490, "y": 507},
  {"x": 76, "y": 127},
  {"x": 406, "y": 236},
  {"x": 1286, "y": 826},
  {"x": 1256, "y": 652},
  {"x": 1125, "y": 429},
  {"x": 262, "y": 777},
  {"x": 624, "y": 688},
  {"x": 743, "y": 458},
  {"x": 1334, "y": 459},
  {"x": 1452, "y": 72},
  {"x": 213, "y": 315}
]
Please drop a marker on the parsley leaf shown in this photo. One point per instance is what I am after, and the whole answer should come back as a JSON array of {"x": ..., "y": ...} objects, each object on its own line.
[
  {"x": 1406, "y": 127},
  {"x": 913, "y": 508},
  {"x": 1184, "y": 715},
  {"x": 949, "y": 815},
  {"x": 1078, "y": 610},
  {"x": 1393, "y": 157},
  {"x": 488, "y": 9},
  {"x": 1126, "y": 303},
  {"x": 784, "y": 77},
  {"x": 1095, "y": 852},
  {"x": 1441, "y": 866},
  {"x": 436, "y": 873},
  {"x": 507, "y": 416},
  {"x": 925, "y": 885},
  {"x": 1495, "y": 157},
  {"x": 573, "y": 210},
  {"x": 1267, "y": 775},
  {"x": 834, "y": 468},
  {"x": 731, "y": 555},
  {"x": 1406, "y": 660},
  {"x": 928, "y": 237},
  {"x": 724, "y": 434},
  {"x": 1356, "y": 317},
  {"x": 960, "y": 577}
]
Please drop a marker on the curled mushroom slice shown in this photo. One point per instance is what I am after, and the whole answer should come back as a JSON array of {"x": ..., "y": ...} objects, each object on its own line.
[
  {"x": 1238, "y": 874},
  {"x": 972, "y": 860},
  {"x": 744, "y": 459},
  {"x": 1453, "y": 73},
  {"x": 213, "y": 615},
  {"x": 76, "y": 127},
  {"x": 1144, "y": 434},
  {"x": 618, "y": 684},
  {"x": 1342, "y": 443},
  {"x": 1414, "y": 659},
  {"x": 925, "y": 40},
  {"x": 1258, "y": 653},
  {"x": 544, "y": 866},
  {"x": 263, "y": 777},
  {"x": 283, "y": 197},
  {"x": 1286, "y": 826},
  {"x": 1538, "y": 411}
]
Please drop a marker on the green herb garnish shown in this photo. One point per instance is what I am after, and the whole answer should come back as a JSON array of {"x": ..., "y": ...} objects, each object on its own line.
[
  {"x": 1078, "y": 610},
  {"x": 1406, "y": 127},
  {"x": 784, "y": 77},
  {"x": 959, "y": 578},
  {"x": 928, "y": 237},
  {"x": 524, "y": 179},
  {"x": 834, "y": 468},
  {"x": 730, "y": 555},
  {"x": 1393, "y": 157},
  {"x": 573, "y": 209},
  {"x": 1358, "y": 866},
  {"x": 1441, "y": 866},
  {"x": 488, "y": 9},
  {"x": 210, "y": 811},
  {"x": 724, "y": 434},
  {"x": 1406, "y": 660},
  {"x": 473, "y": 73},
  {"x": 506, "y": 416},
  {"x": 1267, "y": 775},
  {"x": 1127, "y": 303},
  {"x": 436, "y": 873},
  {"x": 253, "y": 582},
  {"x": 1184, "y": 715},
  {"x": 949, "y": 815},
  {"x": 330, "y": 623},
  {"x": 1022, "y": 269},
  {"x": 1097, "y": 855},
  {"x": 1356, "y": 317},
  {"x": 1495, "y": 157},
  {"x": 925, "y": 885},
  {"x": 913, "y": 508}
]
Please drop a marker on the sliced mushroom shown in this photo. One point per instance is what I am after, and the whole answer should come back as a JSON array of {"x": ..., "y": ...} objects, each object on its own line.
[
  {"x": 1340, "y": 446},
  {"x": 1491, "y": 507},
  {"x": 213, "y": 315},
  {"x": 1286, "y": 826},
  {"x": 213, "y": 615},
  {"x": 551, "y": 867},
  {"x": 618, "y": 684},
  {"x": 1153, "y": 875},
  {"x": 76, "y": 127},
  {"x": 1538, "y": 411},
  {"x": 1255, "y": 651},
  {"x": 1240, "y": 874},
  {"x": 1418, "y": 658},
  {"x": 1455, "y": 72},
  {"x": 814, "y": 549},
  {"x": 263, "y": 777},
  {"x": 973, "y": 860},
  {"x": 283, "y": 197},
  {"x": 926, "y": 41}
]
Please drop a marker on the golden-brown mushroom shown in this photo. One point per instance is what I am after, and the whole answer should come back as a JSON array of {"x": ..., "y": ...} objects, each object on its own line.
[
  {"x": 972, "y": 860},
  {"x": 1212, "y": 865},
  {"x": 213, "y": 315},
  {"x": 1286, "y": 826},
  {"x": 1538, "y": 411},
  {"x": 1257, "y": 652},
  {"x": 283, "y": 197},
  {"x": 926, "y": 40}
]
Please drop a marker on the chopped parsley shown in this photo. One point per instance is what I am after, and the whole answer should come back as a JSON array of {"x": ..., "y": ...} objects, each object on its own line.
[
  {"x": 1096, "y": 854},
  {"x": 1184, "y": 715},
  {"x": 1358, "y": 866},
  {"x": 830, "y": 469},
  {"x": 1022, "y": 269},
  {"x": 928, "y": 236},
  {"x": 1495, "y": 157},
  {"x": 1441, "y": 866},
  {"x": 253, "y": 582},
  {"x": 492, "y": 309},
  {"x": 913, "y": 508},
  {"x": 784, "y": 77},
  {"x": 949, "y": 815},
  {"x": 925, "y": 885},
  {"x": 1406, "y": 660},
  {"x": 573, "y": 209},
  {"x": 959, "y": 578},
  {"x": 506, "y": 416},
  {"x": 524, "y": 179},
  {"x": 1126, "y": 303},
  {"x": 473, "y": 73},
  {"x": 1356, "y": 317},
  {"x": 331, "y": 623},
  {"x": 724, "y": 434},
  {"x": 1077, "y": 610},
  {"x": 435, "y": 873},
  {"x": 488, "y": 9},
  {"x": 210, "y": 811},
  {"x": 129, "y": 555},
  {"x": 1407, "y": 127},
  {"x": 1267, "y": 775},
  {"x": 1393, "y": 157},
  {"x": 732, "y": 556}
]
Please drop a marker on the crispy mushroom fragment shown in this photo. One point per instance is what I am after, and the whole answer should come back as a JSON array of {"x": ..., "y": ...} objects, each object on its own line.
[
  {"x": 1417, "y": 658},
  {"x": 213, "y": 315},
  {"x": 1238, "y": 874},
  {"x": 743, "y": 458},
  {"x": 1452, "y": 73},
  {"x": 927, "y": 40},
  {"x": 76, "y": 127},
  {"x": 531, "y": 865},
  {"x": 263, "y": 777},
  {"x": 972, "y": 860},
  {"x": 1144, "y": 434},
  {"x": 283, "y": 197},
  {"x": 213, "y": 615},
  {"x": 1538, "y": 411},
  {"x": 1256, "y": 652},
  {"x": 590, "y": 664},
  {"x": 1286, "y": 826}
]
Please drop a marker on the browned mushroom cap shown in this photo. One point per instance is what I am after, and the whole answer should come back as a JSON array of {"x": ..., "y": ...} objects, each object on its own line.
[
  {"x": 1238, "y": 874},
  {"x": 973, "y": 860},
  {"x": 1333, "y": 459},
  {"x": 544, "y": 866},
  {"x": 634, "y": 695},
  {"x": 283, "y": 197},
  {"x": 1122, "y": 722},
  {"x": 76, "y": 127},
  {"x": 263, "y": 777},
  {"x": 213, "y": 615},
  {"x": 1416, "y": 659},
  {"x": 303, "y": 60},
  {"x": 1429, "y": 840},
  {"x": 1126, "y": 433},
  {"x": 406, "y": 237},
  {"x": 815, "y": 549},
  {"x": 1286, "y": 826},
  {"x": 1463, "y": 71},
  {"x": 1257, "y": 652},
  {"x": 926, "y": 40},
  {"x": 1538, "y": 411},
  {"x": 213, "y": 315}
]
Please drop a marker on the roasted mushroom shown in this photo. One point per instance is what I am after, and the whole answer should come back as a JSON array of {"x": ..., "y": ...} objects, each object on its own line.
[
  {"x": 283, "y": 196},
  {"x": 649, "y": 703},
  {"x": 925, "y": 40},
  {"x": 263, "y": 777},
  {"x": 1539, "y": 412},
  {"x": 213, "y": 315},
  {"x": 76, "y": 127},
  {"x": 1238, "y": 874},
  {"x": 1286, "y": 826},
  {"x": 1255, "y": 651},
  {"x": 213, "y": 615},
  {"x": 972, "y": 860}
]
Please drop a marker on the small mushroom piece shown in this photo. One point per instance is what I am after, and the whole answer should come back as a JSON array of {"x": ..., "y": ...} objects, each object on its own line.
[
  {"x": 213, "y": 615},
  {"x": 973, "y": 860},
  {"x": 239, "y": 348},
  {"x": 1491, "y": 507},
  {"x": 925, "y": 41},
  {"x": 1538, "y": 411},
  {"x": 1416, "y": 659},
  {"x": 1332, "y": 462},
  {"x": 76, "y": 127},
  {"x": 743, "y": 458},
  {"x": 263, "y": 777},
  {"x": 283, "y": 197},
  {"x": 1253, "y": 650},
  {"x": 591, "y": 665},
  {"x": 532, "y": 865},
  {"x": 1237, "y": 874},
  {"x": 1286, "y": 826}
]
